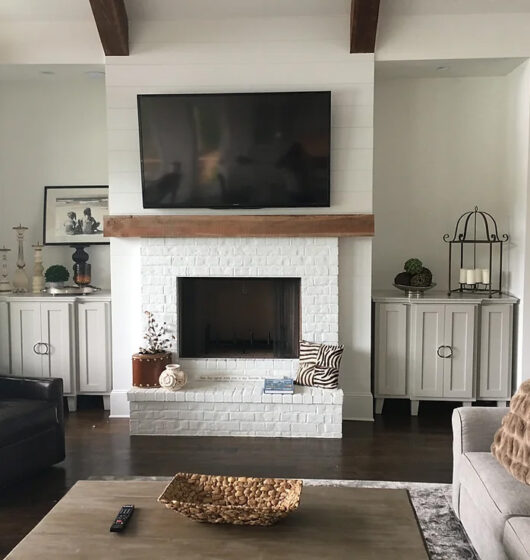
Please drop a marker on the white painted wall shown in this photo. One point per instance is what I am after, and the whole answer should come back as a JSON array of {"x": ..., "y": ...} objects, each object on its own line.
[
  {"x": 439, "y": 151},
  {"x": 517, "y": 201},
  {"x": 452, "y": 29},
  {"x": 51, "y": 133},
  {"x": 260, "y": 54},
  {"x": 50, "y": 42}
]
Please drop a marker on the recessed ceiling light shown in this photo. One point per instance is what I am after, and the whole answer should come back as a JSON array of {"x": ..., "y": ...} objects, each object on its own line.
[
  {"x": 47, "y": 72},
  {"x": 442, "y": 68}
]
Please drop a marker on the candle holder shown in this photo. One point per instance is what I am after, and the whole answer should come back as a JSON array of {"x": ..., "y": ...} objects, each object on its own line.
[
  {"x": 5, "y": 285},
  {"x": 38, "y": 270},
  {"x": 478, "y": 230},
  {"x": 20, "y": 280}
]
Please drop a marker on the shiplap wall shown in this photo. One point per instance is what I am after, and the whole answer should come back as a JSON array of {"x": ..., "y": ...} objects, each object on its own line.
[{"x": 266, "y": 54}]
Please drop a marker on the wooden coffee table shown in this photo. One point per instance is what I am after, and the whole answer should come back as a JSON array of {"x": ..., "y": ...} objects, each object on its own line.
[{"x": 331, "y": 523}]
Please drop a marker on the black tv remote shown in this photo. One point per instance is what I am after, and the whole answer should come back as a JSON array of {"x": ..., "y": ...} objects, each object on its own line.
[{"x": 122, "y": 518}]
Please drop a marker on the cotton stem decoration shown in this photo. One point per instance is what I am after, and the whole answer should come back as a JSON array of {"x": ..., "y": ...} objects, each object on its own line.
[{"x": 157, "y": 339}]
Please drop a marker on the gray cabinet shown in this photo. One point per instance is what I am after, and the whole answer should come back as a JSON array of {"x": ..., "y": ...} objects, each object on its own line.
[
  {"x": 496, "y": 331},
  {"x": 42, "y": 340},
  {"x": 66, "y": 337},
  {"x": 427, "y": 337},
  {"x": 391, "y": 352},
  {"x": 93, "y": 327},
  {"x": 443, "y": 348}
]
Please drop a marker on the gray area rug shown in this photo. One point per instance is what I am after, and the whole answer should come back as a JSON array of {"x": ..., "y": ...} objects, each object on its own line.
[{"x": 443, "y": 532}]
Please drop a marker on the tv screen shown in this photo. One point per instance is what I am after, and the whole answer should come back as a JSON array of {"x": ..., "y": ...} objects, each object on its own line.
[{"x": 247, "y": 150}]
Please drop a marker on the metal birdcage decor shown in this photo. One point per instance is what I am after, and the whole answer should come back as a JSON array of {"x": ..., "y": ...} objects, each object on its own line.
[{"x": 477, "y": 237}]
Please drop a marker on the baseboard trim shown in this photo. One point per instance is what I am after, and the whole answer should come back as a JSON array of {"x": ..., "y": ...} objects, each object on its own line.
[
  {"x": 119, "y": 405},
  {"x": 358, "y": 406}
]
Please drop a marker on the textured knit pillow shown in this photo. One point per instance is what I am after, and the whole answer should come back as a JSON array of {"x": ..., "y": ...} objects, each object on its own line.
[
  {"x": 319, "y": 365},
  {"x": 511, "y": 445}
]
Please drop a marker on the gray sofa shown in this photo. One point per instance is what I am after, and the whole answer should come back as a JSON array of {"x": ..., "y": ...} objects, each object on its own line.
[{"x": 493, "y": 507}]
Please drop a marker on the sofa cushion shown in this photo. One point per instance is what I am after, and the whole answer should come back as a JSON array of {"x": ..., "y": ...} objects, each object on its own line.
[
  {"x": 492, "y": 488},
  {"x": 511, "y": 444},
  {"x": 22, "y": 417},
  {"x": 517, "y": 538}
]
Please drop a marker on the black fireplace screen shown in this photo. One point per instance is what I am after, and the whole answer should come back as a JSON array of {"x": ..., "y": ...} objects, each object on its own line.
[{"x": 239, "y": 317}]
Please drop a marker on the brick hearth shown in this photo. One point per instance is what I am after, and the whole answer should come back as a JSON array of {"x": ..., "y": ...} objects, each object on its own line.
[{"x": 207, "y": 408}]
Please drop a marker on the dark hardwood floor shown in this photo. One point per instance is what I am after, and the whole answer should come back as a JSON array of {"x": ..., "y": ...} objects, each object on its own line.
[{"x": 394, "y": 447}]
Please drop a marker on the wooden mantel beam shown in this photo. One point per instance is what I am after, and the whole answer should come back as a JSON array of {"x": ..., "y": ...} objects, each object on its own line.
[
  {"x": 113, "y": 26},
  {"x": 363, "y": 25},
  {"x": 301, "y": 225}
]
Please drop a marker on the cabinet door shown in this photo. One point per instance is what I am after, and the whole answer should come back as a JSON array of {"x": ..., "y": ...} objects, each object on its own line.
[
  {"x": 427, "y": 337},
  {"x": 5, "y": 353},
  {"x": 495, "y": 372},
  {"x": 391, "y": 349},
  {"x": 94, "y": 346},
  {"x": 24, "y": 318},
  {"x": 56, "y": 328},
  {"x": 460, "y": 337}
]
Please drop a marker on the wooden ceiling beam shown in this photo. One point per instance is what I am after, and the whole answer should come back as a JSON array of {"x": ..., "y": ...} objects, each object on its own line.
[
  {"x": 113, "y": 26},
  {"x": 363, "y": 25}
]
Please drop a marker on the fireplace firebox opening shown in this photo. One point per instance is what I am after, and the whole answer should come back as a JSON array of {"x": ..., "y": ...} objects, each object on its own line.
[{"x": 239, "y": 317}]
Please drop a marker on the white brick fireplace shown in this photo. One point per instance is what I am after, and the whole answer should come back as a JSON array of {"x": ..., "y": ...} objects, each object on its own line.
[
  {"x": 225, "y": 396},
  {"x": 313, "y": 260}
]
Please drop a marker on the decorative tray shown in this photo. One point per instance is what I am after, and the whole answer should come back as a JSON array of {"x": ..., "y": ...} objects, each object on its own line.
[
  {"x": 72, "y": 291},
  {"x": 414, "y": 291},
  {"x": 227, "y": 499}
]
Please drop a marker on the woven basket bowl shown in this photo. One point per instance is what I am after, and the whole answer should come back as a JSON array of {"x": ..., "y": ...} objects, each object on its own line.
[{"x": 228, "y": 499}]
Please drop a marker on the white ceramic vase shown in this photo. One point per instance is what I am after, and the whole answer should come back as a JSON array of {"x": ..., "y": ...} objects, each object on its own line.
[{"x": 173, "y": 378}]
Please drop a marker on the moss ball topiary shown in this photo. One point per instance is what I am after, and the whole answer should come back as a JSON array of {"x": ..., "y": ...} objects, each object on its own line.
[
  {"x": 403, "y": 279},
  {"x": 56, "y": 273},
  {"x": 422, "y": 279},
  {"x": 413, "y": 266}
]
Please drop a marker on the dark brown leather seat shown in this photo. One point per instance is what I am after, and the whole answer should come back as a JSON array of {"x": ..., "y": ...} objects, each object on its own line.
[{"x": 31, "y": 425}]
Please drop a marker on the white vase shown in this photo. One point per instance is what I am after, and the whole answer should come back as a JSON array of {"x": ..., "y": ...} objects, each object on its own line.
[{"x": 173, "y": 378}]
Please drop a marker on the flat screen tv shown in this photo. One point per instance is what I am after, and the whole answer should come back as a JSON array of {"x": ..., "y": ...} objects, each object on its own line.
[{"x": 236, "y": 150}]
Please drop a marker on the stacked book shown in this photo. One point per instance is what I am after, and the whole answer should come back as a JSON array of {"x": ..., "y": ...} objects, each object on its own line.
[{"x": 283, "y": 386}]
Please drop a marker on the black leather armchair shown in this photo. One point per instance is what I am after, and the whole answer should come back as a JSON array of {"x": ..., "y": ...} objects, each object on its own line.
[{"x": 31, "y": 425}]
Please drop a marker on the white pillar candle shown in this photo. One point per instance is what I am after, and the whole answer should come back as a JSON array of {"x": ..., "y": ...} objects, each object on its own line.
[
  {"x": 485, "y": 276},
  {"x": 463, "y": 275},
  {"x": 470, "y": 276},
  {"x": 478, "y": 276}
]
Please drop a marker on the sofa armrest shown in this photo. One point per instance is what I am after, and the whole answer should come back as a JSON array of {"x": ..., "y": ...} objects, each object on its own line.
[
  {"x": 38, "y": 388},
  {"x": 473, "y": 431},
  {"x": 474, "y": 428},
  {"x": 44, "y": 389}
]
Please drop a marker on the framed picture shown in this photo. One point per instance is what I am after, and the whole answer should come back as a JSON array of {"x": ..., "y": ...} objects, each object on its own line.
[{"x": 75, "y": 215}]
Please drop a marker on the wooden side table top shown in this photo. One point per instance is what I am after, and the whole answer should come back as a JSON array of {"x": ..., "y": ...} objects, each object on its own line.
[{"x": 334, "y": 523}]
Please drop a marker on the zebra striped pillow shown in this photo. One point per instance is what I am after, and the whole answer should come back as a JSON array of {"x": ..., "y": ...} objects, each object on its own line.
[{"x": 319, "y": 365}]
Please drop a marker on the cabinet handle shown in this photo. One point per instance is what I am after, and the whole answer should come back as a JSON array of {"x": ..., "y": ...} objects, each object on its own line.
[
  {"x": 445, "y": 356},
  {"x": 37, "y": 348}
]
